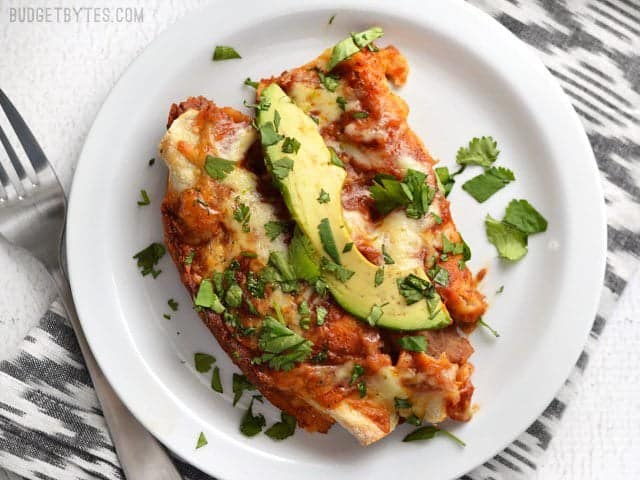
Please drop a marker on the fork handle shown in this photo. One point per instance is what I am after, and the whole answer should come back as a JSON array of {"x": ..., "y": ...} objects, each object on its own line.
[{"x": 141, "y": 456}]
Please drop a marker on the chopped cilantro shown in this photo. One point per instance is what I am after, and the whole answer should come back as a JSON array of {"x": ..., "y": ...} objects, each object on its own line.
[
  {"x": 375, "y": 314},
  {"x": 419, "y": 193},
  {"x": 251, "y": 424},
  {"x": 360, "y": 115},
  {"x": 356, "y": 373},
  {"x": 341, "y": 273},
  {"x": 437, "y": 218},
  {"x": 483, "y": 186},
  {"x": 521, "y": 215},
  {"x": 203, "y": 362},
  {"x": 282, "y": 429},
  {"x": 510, "y": 242},
  {"x": 248, "y": 82},
  {"x": 500, "y": 290},
  {"x": 401, "y": 403},
  {"x": 480, "y": 151},
  {"x": 206, "y": 298},
  {"x": 218, "y": 168},
  {"x": 282, "y": 348},
  {"x": 189, "y": 258},
  {"x": 145, "y": 198},
  {"x": 416, "y": 343},
  {"x": 233, "y": 297},
  {"x": 167, "y": 316},
  {"x": 268, "y": 134},
  {"x": 342, "y": 103},
  {"x": 281, "y": 168},
  {"x": 439, "y": 275},
  {"x": 242, "y": 215},
  {"x": 387, "y": 193},
  {"x": 328, "y": 242},
  {"x": 335, "y": 159},
  {"x": 173, "y": 305},
  {"x": 290, "y": 145},
  {"x": 412, "y": 192},
  {"x": 413, "y": 420},
  {"x": 148, "y": 258},
  {"x": 321, "y": 287},
  {"x": 240, "y": 383},
  {"x": 349, "y": 46},
  {"x": 488, "y": 327},
  {"x": 386, "y": 257},
  {"x": 152, "y": 161},
  {"x": 276, "y": 119},
  {"x": 273, "y": 229},
  {"x": 303, "y": 308},
  {"x": 323, "y": 197},
  {"x": 321, "y": 315},
  {"x": 428, "y": 432},
  {"x": 224, "y": 52},
  {"x": 379, "y": 277},
  {"x": 414, "y": 289},
  {"x": 331, "y": 18},
  {"x": 216, "y": 384},
  {"x": 202, "y": 441},
  {"x": 347, "y": 247},
  {"x": 330, "y": 82}
]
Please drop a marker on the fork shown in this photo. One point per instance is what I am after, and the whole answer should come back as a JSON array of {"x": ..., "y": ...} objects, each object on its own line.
[{"x": 32, "y": 216}]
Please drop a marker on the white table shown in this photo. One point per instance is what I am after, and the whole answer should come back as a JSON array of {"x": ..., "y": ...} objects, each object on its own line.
[{"x": 58, "y": 75}]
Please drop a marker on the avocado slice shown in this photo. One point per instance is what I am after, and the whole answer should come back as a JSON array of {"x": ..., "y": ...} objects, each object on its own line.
[{"x": 302, "y": 166}]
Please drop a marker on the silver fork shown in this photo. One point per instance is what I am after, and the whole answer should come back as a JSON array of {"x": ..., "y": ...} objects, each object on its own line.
[{"x": 32, "y": 216}]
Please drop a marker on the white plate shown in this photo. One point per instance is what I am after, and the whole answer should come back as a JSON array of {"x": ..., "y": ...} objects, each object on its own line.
[{"x": 469, "y": 77}]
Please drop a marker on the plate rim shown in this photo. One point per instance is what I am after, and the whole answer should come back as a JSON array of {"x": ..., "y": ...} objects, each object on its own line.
[{"x": 459, "y": 8}]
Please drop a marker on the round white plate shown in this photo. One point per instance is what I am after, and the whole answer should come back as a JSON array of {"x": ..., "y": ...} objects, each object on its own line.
[{"x": 469, "y": 77}]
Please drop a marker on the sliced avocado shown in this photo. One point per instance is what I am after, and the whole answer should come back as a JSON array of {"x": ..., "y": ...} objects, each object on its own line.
[{"x": 301, "y": 175}]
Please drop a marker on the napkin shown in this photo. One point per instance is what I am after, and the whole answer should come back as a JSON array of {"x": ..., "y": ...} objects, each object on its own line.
[{"x": 51, "y": 426}]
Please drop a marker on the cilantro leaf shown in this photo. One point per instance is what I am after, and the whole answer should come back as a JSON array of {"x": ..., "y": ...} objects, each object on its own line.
[
  {"x": 290, "y": 145},
  {"x": 347, "y": 247},
  {"x": 233, "y": 297},
  {"x": 202, "y": 441},
  {"x": 375, "y": 314},
  {"x": 482, "y": 186},
  {"x": 224, "y": 52},
  {"x": 206, "y": 298},
  {"x": 282, "y": 429},
  {"x": 428, "y": 432},
  {"x": 218, "y": 168},
  {"x": 323, "y": 197},
  {"x": 401, "y": 403},
  {"x": 330, "y": 82},
  {"x": 145, "y": 198},
  {"x": 360, "y": 115},
  {"x": 282, "y": 347},
  {"x": 386, "y": 257},
  {"x": 414, "y": 289},
  {"x": 274, "y": 229},
  {"x": 488, "y": 327},
  {"x": 524, "y": 217},
  {"x": 203, "y": 362},
  {"x": 446, "y": 179},
  {"x": 242, "y": 214},
  {"x": 349, "y": 46},
  {"x": 459, "y": 248},
  {"x": 240, "y": 383},
  {"x": 341, "y": 273},
  {"x": 356, "y": 373},
  {"x": 249, "y": 83},
  {"x": 328, "y": 242},
  {"x": 342, "y": 103},
  {"x": 189, "y": 259},
  {"x": 387, "y": 193},
  {"x": 268, "y": 134},
  {"x": 251, "y": 424},
  {"x": 255, "y": 285},
  {"x": 173, "y": 305},
  {"x": 281, "y": 168},
  {"x": 416, "y": 343},
  {"x": 148, "y": 258},
  {"x": 510, "y": 242},
  {"x": 439, "y": 275},
  {"x": 216, "y": 384},
  {"x": 379, "y": 277},
  {"x": 321, "y": 315},
  {"x": 335, "y": 159},
  {"x": 480, "y": 151}
]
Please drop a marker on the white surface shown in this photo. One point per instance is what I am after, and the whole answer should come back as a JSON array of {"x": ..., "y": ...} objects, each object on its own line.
[
  {"x": 487, "y": 74},
  {"x": 58, "y": 87}
]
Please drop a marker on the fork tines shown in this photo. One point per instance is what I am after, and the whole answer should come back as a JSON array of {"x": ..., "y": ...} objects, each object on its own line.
[{"x": 24, "y": 164}]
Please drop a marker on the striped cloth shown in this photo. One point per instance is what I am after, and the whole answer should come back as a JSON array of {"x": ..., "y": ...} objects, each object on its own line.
[{"x": 51, "y": 426}]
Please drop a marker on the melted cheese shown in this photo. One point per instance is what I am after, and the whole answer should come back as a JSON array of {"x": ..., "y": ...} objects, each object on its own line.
[{"x": 319, "y": 100}]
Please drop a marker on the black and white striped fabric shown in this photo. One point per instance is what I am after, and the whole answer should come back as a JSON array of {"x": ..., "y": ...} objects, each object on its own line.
[{"x": 51, "y": 426}]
